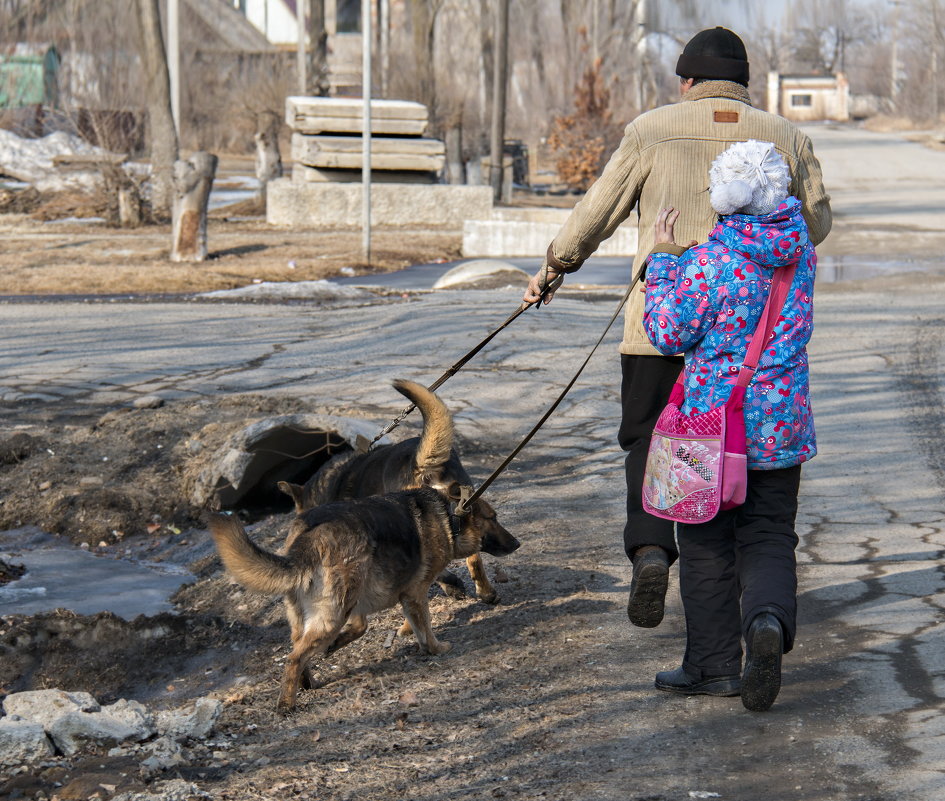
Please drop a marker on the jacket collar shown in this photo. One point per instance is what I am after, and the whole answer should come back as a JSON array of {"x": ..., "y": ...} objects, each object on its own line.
[{"x": 726, "y": 89}]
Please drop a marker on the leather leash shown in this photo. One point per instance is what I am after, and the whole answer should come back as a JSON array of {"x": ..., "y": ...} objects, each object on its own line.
[
  {"x": 463, "y": 506},
  {"x": 461, "y": 363}
]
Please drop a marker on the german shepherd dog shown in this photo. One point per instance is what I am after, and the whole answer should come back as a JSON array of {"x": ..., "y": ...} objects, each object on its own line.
[
  {"x": 427, "y": 460},
  {"x": 345, "y": 560}
]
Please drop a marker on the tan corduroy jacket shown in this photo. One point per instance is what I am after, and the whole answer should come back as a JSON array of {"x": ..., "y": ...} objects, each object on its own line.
[{"x": 663, "y": 160}]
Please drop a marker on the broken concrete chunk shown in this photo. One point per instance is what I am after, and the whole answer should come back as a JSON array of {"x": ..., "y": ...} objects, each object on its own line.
[
  {"x": 22, "y": 742},
  {"x": 174, "y": 790},
  {"x": 76, "y": 730},
  {"x": 46, "y": 706},
  {"x": 195, "y": 722},
  {"x": 166, "y": 753},
  {"x": 148, "y": 402},
  {"x": 285, "y": 448},
  {"x": 136, "y": 716}
]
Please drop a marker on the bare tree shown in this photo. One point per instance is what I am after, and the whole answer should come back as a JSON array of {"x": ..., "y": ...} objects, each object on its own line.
[
  {"x": 423, "y": 15},
  {"x": 193, "y": 180},
  {"x": 163, "y": 134},
  {"x": 318, "y": 42},
  {"x": 268, "y": 158},
  {"x": 921, "y": 30},
  {"x": 500, "y": 86}
]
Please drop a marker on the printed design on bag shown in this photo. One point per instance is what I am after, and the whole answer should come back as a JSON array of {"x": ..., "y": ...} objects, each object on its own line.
[
  {"x": 687, "y": 457},
  {"x": 681, "y": 472},
  {"x": 661, "y": 484}
]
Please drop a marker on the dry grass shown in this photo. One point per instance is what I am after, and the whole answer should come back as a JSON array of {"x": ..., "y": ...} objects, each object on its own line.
[{"x": 91, "y": 258}]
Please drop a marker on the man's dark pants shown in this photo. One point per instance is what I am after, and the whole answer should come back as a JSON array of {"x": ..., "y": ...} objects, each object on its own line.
[
  {"x": 738, "y": 565},
  {"x": 644, "y": 391}
]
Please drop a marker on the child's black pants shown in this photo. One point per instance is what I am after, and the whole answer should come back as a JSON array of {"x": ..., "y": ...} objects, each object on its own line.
[{"x": 734, "y": 567}]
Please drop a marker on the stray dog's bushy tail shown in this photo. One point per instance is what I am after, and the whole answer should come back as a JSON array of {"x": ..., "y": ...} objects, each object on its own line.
[
  {"x": 436, "y": 441},
  {"x": 249, "y": 564}
]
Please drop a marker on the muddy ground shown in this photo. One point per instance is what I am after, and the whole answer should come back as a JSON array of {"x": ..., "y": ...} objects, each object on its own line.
[
  {"x": 547, "y": 695},
  {"x": 385, "y": 721}
]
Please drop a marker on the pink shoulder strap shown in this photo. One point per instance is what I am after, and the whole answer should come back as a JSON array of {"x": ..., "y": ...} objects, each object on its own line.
[{"x": 780, "y": 284}]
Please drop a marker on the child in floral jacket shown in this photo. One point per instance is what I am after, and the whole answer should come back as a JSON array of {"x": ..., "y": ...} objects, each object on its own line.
[{"x": 738, "y": 571}]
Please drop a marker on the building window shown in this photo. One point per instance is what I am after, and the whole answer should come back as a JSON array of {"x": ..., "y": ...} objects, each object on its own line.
[
  {"x": 802, "y": 100},
  {"x": 349, "y": 16}
]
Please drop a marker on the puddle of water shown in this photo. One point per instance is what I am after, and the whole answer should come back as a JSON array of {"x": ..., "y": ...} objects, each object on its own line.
[{"x": 64, "y": 577}]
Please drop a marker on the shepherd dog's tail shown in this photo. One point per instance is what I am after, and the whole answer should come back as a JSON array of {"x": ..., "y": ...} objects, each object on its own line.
[
  {"x": 249, "y": 564},
  {"x": 436, "y": 441}
]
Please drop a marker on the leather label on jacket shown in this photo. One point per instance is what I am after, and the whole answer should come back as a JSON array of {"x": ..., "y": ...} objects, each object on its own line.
[{"x": 726, "y": 116}]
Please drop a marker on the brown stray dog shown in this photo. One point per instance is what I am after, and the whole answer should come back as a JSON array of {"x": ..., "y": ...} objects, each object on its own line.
[
  {"x": 427, "y": 460},
  {"x": 345, "y": 560}
]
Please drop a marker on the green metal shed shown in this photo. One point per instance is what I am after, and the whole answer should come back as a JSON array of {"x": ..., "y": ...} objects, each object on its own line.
[{"x": 29, "y": 76}]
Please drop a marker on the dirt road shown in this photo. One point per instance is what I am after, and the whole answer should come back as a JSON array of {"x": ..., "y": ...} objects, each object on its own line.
[{"x": 549, "y": 694}]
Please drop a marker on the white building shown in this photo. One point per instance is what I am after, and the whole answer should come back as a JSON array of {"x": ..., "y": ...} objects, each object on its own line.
[
  {"x": 278, "y": 22},
  {"x": 278, "y": 19}
]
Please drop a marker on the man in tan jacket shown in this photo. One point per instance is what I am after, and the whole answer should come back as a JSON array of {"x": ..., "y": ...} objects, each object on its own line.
[{"x": 662, "y": 161}]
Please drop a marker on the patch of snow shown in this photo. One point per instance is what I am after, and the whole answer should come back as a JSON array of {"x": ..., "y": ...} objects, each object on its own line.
[
  {"x": 31, "y": 160},
  {"x": 289, "y": 290},
  {"x": 81, "y": 220}
]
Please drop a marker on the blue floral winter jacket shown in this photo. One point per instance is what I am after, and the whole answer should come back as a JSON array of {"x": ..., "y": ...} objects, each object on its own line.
[{"x": 706, "y": 304}]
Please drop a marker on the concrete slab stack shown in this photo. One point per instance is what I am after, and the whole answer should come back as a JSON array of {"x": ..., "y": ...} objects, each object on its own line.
[
  {"x": 327, "y": 145},
  {"x": 327, "y": 151}
]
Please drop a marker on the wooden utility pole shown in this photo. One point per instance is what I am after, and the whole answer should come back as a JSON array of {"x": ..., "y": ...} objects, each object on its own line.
[
  {"x": 383, "y": 22},
  {"x": 301, "y": 6},
  {"x": 162, "y": 133},
  {"x": 173, "y": 58},
  {"x": 497, "y": 155}
]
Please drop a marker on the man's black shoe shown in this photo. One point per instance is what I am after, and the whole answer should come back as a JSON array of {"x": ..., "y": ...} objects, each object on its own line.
[
  {"x": 678, "y": 681},
  {"x": 648, "y": 587},
  {"x": 761, "y": 679}
]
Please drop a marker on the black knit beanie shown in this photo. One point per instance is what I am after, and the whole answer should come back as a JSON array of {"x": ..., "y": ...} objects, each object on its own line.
[{"x": 715, "y": 54}]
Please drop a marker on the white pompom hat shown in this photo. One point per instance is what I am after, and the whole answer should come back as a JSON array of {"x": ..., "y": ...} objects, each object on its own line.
[{"x": 750, "y": 178}]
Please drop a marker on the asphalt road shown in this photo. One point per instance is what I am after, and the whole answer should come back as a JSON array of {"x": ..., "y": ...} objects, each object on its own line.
[{"x": 863, "y": 692}]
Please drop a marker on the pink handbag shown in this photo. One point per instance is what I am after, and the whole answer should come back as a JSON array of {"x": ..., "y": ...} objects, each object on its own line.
[{"x": 697, "y": 463}]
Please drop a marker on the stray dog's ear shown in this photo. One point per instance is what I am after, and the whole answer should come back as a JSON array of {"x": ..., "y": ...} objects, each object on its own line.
[{"x": 296, "y": 493}]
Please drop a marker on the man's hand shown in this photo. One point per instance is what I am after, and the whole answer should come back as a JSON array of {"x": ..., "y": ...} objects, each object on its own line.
[
  {"x": 663, "y": 227},
  {"x": 543, "y": 285}
]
